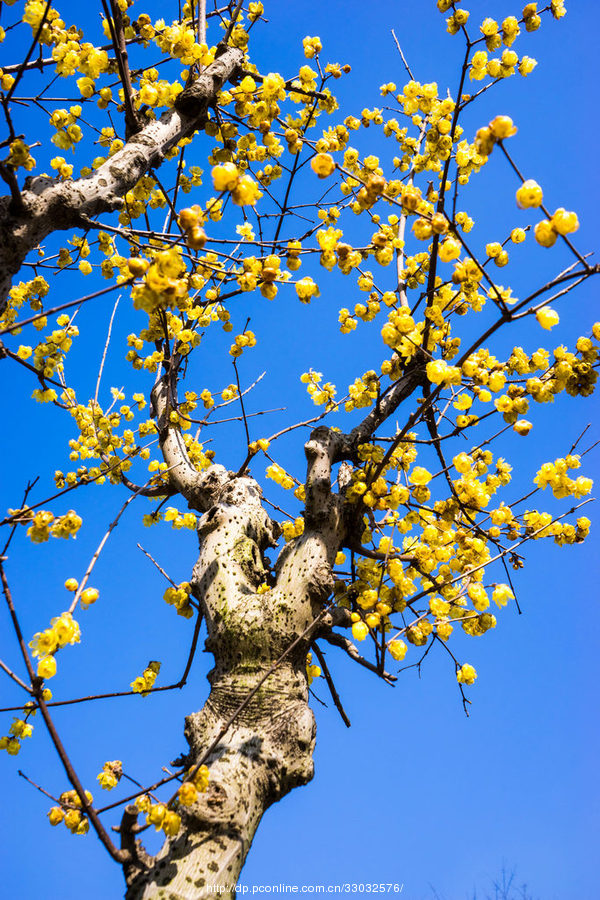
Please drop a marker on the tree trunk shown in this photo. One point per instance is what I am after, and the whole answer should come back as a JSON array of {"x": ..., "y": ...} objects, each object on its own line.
[
  {"x": 266, "y": 753},
  {"x": 267, "y": 750}
]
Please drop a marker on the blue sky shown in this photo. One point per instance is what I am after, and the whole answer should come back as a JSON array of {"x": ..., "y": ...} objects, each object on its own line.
[{"x": 414, "y": 793}]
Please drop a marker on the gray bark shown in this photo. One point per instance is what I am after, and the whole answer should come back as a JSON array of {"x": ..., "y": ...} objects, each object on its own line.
[{"x": 268, "y": 749}]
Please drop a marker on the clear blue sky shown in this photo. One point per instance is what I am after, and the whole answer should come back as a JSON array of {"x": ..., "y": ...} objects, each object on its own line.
[{"x": 414, "y": 793}]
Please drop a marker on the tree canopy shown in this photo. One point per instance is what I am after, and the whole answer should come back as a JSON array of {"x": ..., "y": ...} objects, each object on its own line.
[{"x": 331, "y": 326}]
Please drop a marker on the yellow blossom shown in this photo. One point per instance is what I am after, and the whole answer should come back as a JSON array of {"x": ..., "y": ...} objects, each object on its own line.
[
  {"x": 529, "y": 194},
  {"x": 322, "y": 164},
  {"x": 466, "y": 674},
  {"x": 547, "y": 317}
]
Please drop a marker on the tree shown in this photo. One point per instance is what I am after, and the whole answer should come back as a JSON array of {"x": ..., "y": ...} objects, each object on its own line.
[{"x": 406, "y": 523}]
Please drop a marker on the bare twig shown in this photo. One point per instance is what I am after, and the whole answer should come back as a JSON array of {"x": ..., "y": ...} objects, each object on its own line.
[
  {"x": 330, "y": 684},
  {"x": 403, "y": 58},
  {"x": 339, "y": 640},
  {"x": 55, "y": 309},
  {"x": 14, "y": 677}
]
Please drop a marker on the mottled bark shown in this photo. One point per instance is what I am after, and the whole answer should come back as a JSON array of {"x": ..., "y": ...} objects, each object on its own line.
[{"x": 267, "y": 751}]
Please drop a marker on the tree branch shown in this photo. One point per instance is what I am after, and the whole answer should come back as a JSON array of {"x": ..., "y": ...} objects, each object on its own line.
[{"x": 52, "y": 205}]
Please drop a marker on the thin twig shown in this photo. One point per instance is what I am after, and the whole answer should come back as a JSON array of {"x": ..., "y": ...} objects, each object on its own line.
[
  {"x": 152, "y": 560},
  {"x": 55, "y": 309},
  {"x": 339, "y": 640},
  {"x": 14, "y": 677},
  {"x": 117, "y": 33},
  {"x": 99, "y": 549},
  {"x": 107, "y": 342},
  {"x": 406, "y": 65},
  {"x": 37, "y": 787},
  {"x": 334, "y": 694}
]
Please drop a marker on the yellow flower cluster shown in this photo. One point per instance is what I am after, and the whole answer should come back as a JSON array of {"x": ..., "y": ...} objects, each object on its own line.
[
  {"x": 196, "y": 784},
  {"x": 244, "y": 190},
  {"x": 312, "y": 671},
  {"x": 466, "y": 674},
  {"x": 280, "y": 476},
  {"x": 363, "y": 392},
  {"x": 439, "y": 372},
  {"x": 291, "y": 530},
  {"x": 180, "y": 520},
  {"x": 306, "y": 288},
  {"x": 179, "y": 597},
  {"x": 159, "y": 815},
  {"x": 45, "y": 524},
  {"x": 261, "y": 444},
  {"x": 320, "y": 393},
  {"x": 19, "y": 155},
  {"x": 70, "y": 812},
  {"x": 179, "y": 41},
  {"x": 312, "y": 46},
  {"x": 44, "y": 644},
  {"x": 191, "y": 220},
  {"x": 165, "y": 283},
  {"x": 144, "y": 682},
  {"x": 68, "y": 132},
  {"x": 19, "y": 730},
  {"x": 246, "y": 339},
  {"x": 555, "y": 475},
  {"x": 500, "y": 128},
  {"x": 30, "y": 292},
  {"x": 110, "y": 775},
  {"x": 561, "y": 223},
  {"x": 397, "y": 649}
]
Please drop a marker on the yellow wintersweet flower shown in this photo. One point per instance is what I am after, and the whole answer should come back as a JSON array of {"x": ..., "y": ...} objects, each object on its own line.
[
  {"x": 449, "y": 249},
  {"x": 359, "y": 631},
  {"x": 156, "y": 814},
  {"x": 527, "y": 65},
  {"x": 502, "y": 127},
  {"x": 245, "y": 192},
  {"x": 46, "y": 667},
  {"x": 89, "y": 596},
  {"x": 545, "y": 233},
  {"x": 502, "y": 594},
  {"x": 322, "y": 164},
  {"x": 312, "y": 671},
  {"x": 200, "y": 778},
  {"x": 439, "y": 372},
  {"x": 55, "y": 815},
  {"x": 188, "y": 793},
  {"x": 225, "y": 176},
  {"x": 110, "y": 775},
  {"x": 171, "y": 823},
  {"x": 466, "y": 674},
  {"x": 420, "y": 476},
  {"x": 306, "y": 288},
  {"x": 73, "y": 820},
  {"x": 529, "y": 194},
  {"x": 547, "y": 317},
  {"x": 564, "y": 222},
  {"x": 312, "y": 46},
  {"x": 397, "y": 649},
  {"x": 522, "y": 427}
]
